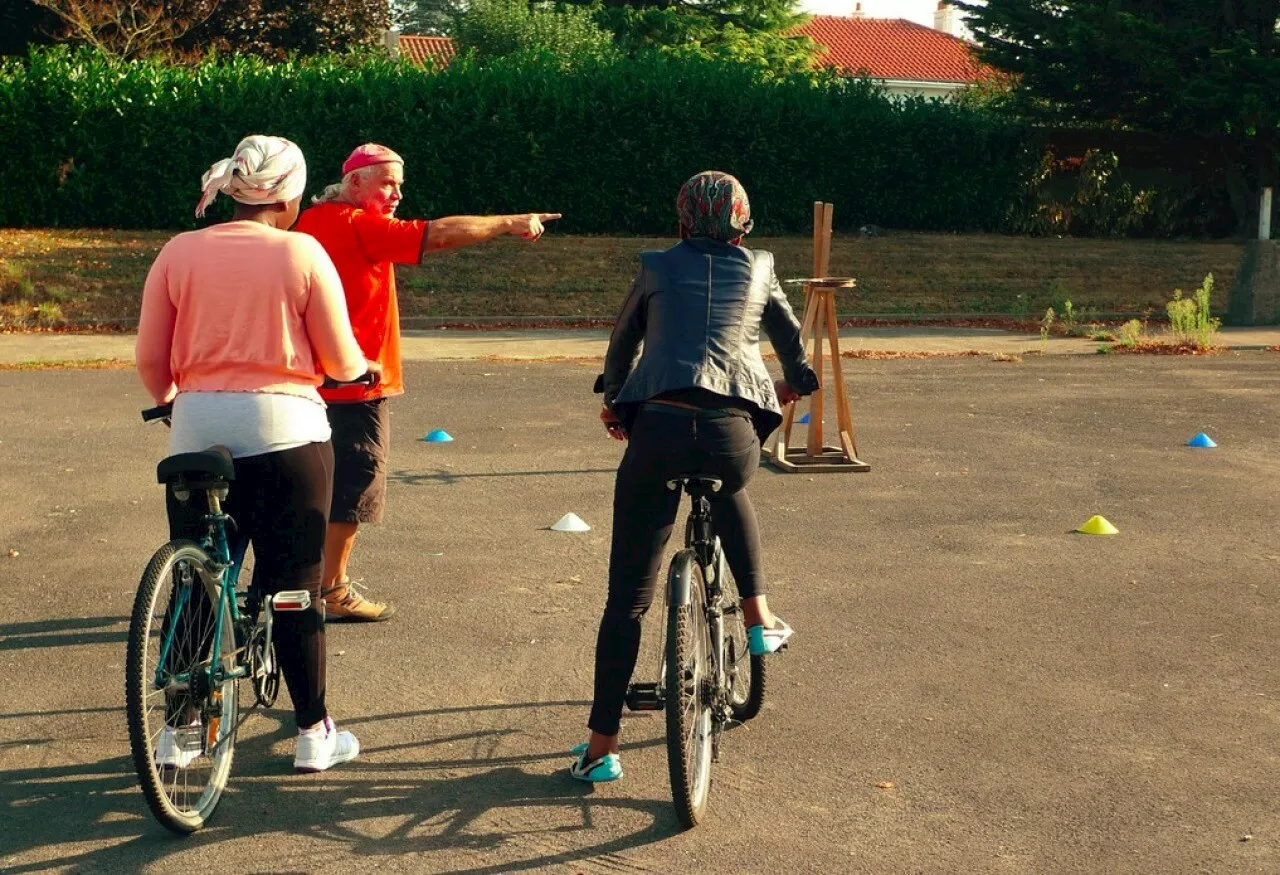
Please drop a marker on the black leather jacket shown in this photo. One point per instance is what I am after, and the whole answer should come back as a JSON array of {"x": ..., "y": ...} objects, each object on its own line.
[{"x": 698, "y": 308}]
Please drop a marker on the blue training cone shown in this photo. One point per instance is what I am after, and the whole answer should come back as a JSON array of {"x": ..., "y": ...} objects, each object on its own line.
[
  {"x": 1201, "y": 440},
  {"x": 439, "y": 436},
  {"x": 802, "y": 420}
]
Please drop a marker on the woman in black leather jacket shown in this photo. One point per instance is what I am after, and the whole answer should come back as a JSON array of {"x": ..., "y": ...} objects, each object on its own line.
[{"x": 698, "y": 400}]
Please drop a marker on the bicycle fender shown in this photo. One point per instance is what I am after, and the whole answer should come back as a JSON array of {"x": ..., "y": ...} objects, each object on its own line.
[{"x": 680, "y": 578}]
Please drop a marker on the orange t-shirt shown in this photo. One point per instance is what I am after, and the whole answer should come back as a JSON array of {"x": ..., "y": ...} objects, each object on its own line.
[{"x": 365, "y": 247}]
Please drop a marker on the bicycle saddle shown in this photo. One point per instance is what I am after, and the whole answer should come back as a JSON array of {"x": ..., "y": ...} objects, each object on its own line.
[
  {"x": 695, "y": 484},
  {"x": 213, "y": 462}
]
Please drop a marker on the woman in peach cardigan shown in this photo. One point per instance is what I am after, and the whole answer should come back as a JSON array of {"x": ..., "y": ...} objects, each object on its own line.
[{"x": 240, "y": 322}]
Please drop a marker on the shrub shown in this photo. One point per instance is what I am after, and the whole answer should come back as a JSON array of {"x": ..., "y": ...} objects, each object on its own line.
[
  {"x": 1190, "y": 320},
  {"x": 607, "y": 143}
]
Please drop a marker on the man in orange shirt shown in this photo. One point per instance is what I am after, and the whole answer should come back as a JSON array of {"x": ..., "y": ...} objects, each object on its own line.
[{"x": 354, "y": 220}]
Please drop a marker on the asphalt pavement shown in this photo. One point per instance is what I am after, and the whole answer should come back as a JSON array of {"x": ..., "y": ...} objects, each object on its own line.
[
  {"x": 972, "y": 687},
  {"x": 444, "y": 344}
]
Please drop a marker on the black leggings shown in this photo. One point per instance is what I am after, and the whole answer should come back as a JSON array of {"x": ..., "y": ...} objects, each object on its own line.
[
  {"x": 280, "y": 501},
  {"x": 667, "y": 442}
]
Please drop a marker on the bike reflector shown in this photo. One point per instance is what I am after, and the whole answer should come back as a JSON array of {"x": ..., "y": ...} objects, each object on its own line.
[{"x": 291, "y": 600}]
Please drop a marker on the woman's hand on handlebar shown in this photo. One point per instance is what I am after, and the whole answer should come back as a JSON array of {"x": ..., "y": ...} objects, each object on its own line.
[
  {"x": 613, "y": 424},
  {"x": 785, "y": 393},
  {"x": 371, "y": 377}
]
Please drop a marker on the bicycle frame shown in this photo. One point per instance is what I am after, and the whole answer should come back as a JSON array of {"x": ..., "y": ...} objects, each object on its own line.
[
  {"x": 702, "y": 542},
  {"x": 225, "y": 561}
]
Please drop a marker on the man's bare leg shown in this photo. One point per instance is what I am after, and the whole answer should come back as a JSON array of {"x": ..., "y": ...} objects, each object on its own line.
[{"x": 341, "y": 601}]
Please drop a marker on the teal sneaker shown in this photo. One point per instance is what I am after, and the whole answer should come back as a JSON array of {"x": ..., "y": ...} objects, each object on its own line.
[
  {"x": 606, "y": 768},
  {"x": 762, "y": 641}
]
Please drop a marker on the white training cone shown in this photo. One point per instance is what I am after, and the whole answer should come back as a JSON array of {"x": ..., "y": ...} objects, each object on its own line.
[{"x": 570, "y": 522}]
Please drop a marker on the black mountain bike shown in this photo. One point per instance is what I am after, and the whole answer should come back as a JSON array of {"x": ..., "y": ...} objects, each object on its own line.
[{"x": 707, "y": 676}]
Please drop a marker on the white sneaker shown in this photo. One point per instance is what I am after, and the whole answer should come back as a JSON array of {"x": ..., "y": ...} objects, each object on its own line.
[
  {"x": 323, "y": 746},
  {"x": 179, "y": 746}
]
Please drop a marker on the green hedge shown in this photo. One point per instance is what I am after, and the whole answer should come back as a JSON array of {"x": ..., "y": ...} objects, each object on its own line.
[{"x": 88, "y": 142}]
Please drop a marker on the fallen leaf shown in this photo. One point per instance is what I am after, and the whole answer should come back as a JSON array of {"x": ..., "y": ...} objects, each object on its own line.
[{"x": 884, "y": 785}]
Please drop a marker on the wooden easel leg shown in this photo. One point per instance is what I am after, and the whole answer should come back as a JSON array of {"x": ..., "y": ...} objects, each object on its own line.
[
  {"x": 789, "y": 415},
  {"x": 816, "y": 405},
  {"x": 844, "y": 413}
]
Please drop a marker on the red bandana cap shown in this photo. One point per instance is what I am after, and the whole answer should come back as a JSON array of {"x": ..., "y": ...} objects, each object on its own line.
[{"x": 368, "y": 155}]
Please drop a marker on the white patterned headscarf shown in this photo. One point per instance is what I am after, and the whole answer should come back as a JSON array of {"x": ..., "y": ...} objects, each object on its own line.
[{"x": 263, "y": 170}]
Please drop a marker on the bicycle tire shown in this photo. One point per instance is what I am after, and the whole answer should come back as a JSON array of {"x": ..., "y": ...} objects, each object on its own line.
[
  {"x": 746, "y": 697},
  {"x": 176, "y": 802},
  {"x": 688, "y": 709}
]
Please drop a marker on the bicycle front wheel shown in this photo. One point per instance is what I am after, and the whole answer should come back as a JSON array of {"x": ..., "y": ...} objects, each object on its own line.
[
  {"x": 746, "y": 673},
  {"x": 181, "y": 705},
  {"x": 688, "y": 692}
]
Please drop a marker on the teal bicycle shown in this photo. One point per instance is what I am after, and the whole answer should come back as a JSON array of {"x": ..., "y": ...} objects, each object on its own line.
[{"x": 192, "y": 638}]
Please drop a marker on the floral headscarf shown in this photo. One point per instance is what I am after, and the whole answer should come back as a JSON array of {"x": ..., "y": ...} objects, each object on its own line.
[{"x": 713, "y": 204}]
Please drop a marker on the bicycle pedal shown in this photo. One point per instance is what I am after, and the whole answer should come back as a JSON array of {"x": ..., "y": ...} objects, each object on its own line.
[
  {"x": 291, "y": 600},
  {"x": 644, "y": 697},
  {"x": 189, "y": 738}
]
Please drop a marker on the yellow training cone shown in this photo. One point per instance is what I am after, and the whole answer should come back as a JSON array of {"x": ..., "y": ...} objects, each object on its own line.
[{"x": 1098, "y": 525}]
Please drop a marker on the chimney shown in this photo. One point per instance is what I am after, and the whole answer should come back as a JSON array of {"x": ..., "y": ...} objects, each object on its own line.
[
  {"x": 391, "y": 42},
  {"x": 857, "y": 11},
  {"x": 944, "y": 19}
]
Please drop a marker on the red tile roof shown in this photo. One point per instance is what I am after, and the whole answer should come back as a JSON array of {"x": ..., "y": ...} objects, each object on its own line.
[
  {"x": 892, "y": 48},
  {"x": 883, "y": 48},
  {"x": 418, "y": 49}
]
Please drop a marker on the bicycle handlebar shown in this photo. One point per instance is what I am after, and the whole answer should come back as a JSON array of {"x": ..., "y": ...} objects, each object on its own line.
[
  {"x": 368, "y": 378},
  {"x": 164, "y": 411}
]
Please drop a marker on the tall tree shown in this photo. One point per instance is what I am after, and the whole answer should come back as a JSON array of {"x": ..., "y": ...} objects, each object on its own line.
[
  {"x": 274, "y": 28},
  {"x": 22, "y": 24},
  {"x": 502, "y": 28},
  {"x": 425, "y": 16},
  {"x": 138, "y": 28},
  {"x": 1202, "y": 73},
  {"x": 127, "y": 28},
  {"x": 746, "y": 30}
]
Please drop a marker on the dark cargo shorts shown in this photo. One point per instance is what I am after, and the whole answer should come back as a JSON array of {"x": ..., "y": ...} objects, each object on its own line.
[{"x": 361, "y": 434}]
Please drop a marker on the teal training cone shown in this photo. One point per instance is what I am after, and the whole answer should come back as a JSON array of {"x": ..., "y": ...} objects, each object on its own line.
[
  {"x": 439, "y": 436},
  {"x": 802, "y": 420},
  {"x": 1202, "y": 440}
]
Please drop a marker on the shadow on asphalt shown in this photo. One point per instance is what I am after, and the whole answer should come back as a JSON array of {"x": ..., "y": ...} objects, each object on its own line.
[
  {"x": 18, "y": 715},
  {"x": 67, "y": 632},
  {"x": 48, "y": 806},
  {"x": 418, "y": 478}
]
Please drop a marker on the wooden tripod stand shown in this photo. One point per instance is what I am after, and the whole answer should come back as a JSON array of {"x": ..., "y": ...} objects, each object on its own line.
[{"x": 819, "y": 321}]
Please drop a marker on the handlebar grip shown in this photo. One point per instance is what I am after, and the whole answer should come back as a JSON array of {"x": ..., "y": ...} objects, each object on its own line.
[
  {"x": 164, "y": 411},
  {"x": 368, "y": 378}
]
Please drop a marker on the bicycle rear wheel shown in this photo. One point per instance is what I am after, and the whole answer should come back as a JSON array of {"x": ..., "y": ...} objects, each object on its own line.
[
  {"x": 746, "y": 672},
  {"x": 688, "y": 704},
  {"x": 181, "y": 726}
]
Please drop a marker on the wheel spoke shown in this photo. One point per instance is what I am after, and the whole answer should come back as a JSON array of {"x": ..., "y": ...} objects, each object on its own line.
[{"x": 181, "y": 617}]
